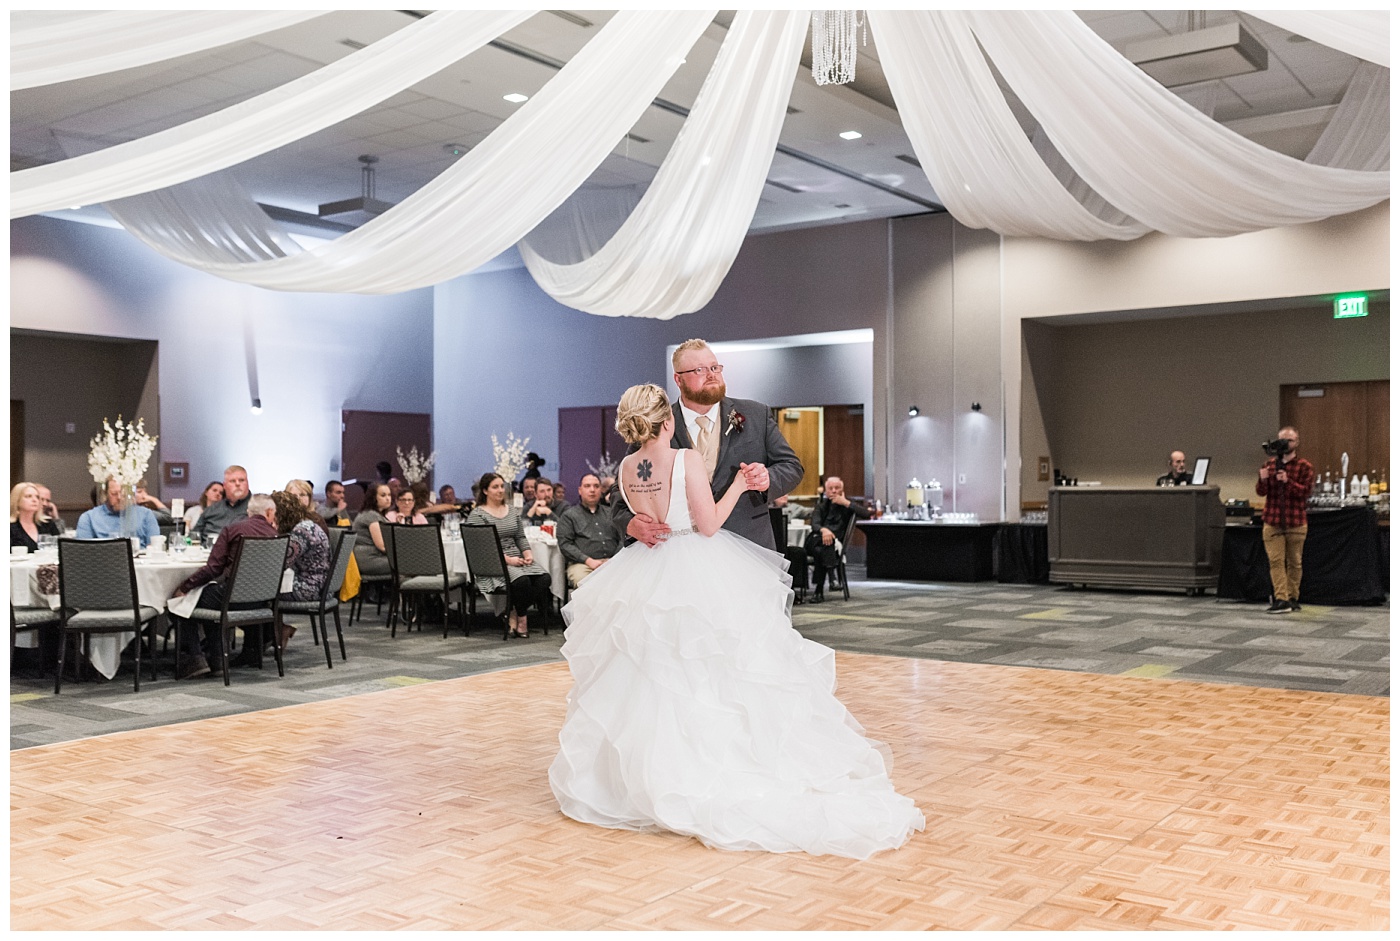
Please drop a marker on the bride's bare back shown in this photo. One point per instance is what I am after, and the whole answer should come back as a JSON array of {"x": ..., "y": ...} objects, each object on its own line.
[{"x": 646, "y": 476}]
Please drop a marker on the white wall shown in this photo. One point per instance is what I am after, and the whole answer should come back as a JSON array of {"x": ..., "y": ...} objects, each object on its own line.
[{"x": 312, "y": 354}]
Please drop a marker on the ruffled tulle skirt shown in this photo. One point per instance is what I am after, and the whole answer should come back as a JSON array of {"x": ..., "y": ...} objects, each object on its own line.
[{"x": 696, "y": 708}]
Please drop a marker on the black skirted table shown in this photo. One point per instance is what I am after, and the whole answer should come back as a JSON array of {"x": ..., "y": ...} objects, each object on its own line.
[
  {"x": 1022, "y": 553},
  {"x": 928, "y": 551},
  {"x": 1346, "y": 560}
]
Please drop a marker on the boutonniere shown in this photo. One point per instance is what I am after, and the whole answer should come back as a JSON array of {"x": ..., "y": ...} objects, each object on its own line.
[{"x": 735, "y": 421}]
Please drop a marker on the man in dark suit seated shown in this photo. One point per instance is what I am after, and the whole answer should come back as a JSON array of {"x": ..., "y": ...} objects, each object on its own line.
[
  {"x": 830, "y": 517},
  {"x": 727, "y": 432}
]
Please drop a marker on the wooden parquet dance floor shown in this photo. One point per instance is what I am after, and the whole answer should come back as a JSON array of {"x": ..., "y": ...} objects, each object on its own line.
[{"x": 1054, "y": 801}]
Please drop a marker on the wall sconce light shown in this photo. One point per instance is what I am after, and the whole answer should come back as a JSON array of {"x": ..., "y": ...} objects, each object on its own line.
[
  {"x": 977, "y": 406},
  {"x": 913, "y": 411},
  {"x": 257, "y": 407}
]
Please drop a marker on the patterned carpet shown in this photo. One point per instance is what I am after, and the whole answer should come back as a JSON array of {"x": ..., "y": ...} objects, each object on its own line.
[{"x": 1342, "y": 650}]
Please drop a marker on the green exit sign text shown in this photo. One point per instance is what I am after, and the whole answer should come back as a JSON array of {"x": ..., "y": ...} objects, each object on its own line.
[{"x": 1349, "y": 305}]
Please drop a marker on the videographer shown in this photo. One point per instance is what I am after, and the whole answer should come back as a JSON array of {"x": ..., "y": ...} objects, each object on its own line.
[{"x": 1285, "y": 483}]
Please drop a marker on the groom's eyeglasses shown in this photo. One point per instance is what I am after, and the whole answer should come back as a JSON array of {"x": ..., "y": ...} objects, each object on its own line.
[{"x": 702, "y": 370}]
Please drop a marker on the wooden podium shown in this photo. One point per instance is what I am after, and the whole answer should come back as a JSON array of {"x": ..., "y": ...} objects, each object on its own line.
[{"x": 1136, "y": 537}]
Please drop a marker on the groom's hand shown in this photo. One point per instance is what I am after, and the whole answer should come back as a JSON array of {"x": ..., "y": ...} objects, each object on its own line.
[
  {"x": 755, "y": 475},
  {"x": 646, "y": 530}
]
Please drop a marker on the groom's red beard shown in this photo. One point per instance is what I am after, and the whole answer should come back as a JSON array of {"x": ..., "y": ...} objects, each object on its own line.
[{"x": 708, "y": 395}]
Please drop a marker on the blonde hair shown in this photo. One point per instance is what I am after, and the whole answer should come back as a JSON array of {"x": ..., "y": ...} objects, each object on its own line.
[
  {"x": 16, "y": 494},
  {"x": 299, "y": 487},
  {"x": 641, "y": 412},
  {"x": 686, "y": 347}
]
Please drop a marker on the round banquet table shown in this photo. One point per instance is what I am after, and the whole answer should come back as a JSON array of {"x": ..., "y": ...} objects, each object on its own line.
[{"x": 156, "y": 581}]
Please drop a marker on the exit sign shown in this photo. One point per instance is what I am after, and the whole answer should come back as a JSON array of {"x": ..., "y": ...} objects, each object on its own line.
[{"x": 1349, "y": 305}]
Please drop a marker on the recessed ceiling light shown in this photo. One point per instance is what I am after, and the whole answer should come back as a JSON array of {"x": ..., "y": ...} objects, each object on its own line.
[
  {"x": 515, "y": 97},
  {"x": 850, "y": 135}
]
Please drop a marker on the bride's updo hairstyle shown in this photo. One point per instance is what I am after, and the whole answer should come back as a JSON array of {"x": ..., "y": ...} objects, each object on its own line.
[{"x": 641, "y": 412}]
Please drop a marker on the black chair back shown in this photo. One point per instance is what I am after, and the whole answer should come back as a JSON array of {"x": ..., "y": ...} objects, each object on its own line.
[
  {"x": 485, "y": 557},
  {"x": 257, "y": 569},
  {"x": 775, "y": 516},
  {"x": 846, "y": 536},
  {"x": 96, "y": 574},
  {"x": 342, "y": 548},
  {"x": 418, "y": 550}
]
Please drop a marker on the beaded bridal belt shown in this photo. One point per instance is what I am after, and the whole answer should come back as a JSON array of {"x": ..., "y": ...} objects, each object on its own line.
[{"x": 676, "y": 532}]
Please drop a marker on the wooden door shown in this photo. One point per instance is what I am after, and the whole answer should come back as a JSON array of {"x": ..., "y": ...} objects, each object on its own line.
[
  {"x": 366, "y": 438},
  {"x": 16, "y": 441},
  {"x": 1337, "y": 417},
  {"x": 802, "y": 427},
  {"x": 843, "y": 446}
]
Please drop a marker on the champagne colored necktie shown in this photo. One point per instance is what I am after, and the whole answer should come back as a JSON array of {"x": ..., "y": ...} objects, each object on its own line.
[{"x": 707, "y": 445}]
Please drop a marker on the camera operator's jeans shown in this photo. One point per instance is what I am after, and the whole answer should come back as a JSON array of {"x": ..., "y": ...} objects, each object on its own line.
[{"x": 1284, "y": 547}]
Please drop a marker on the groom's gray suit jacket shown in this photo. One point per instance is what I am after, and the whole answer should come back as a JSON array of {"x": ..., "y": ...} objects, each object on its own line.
[{"x": 748, "y": 435}]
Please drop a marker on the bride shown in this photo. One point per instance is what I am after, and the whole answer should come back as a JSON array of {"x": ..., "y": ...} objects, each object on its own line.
[{"x": 696, "y": 707}]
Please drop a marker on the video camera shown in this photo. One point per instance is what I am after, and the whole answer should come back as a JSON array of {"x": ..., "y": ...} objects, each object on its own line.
[{"x": 1276, "y": 448}]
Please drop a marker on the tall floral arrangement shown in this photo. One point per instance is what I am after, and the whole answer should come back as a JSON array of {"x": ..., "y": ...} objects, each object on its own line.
[
  {"x": 510, "y": 457},
  {"x": 415, "y": 466},
  {"x": 122, "y": 451},
  {"x": 604, "y": 469}
]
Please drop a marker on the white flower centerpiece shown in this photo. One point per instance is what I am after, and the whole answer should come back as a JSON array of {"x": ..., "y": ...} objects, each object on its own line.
[
  {"x": 605, "y": 469},
  {"x": 415, "y": 466},
  {"x": 122, "y": 452},
  {"x": 511, "y": 457}
]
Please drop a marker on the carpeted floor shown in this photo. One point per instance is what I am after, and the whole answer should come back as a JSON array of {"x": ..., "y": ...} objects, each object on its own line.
[{"x": 1342, "y": 650}]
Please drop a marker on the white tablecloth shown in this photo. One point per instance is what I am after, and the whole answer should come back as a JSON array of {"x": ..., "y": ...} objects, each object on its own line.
[
  {"x": 544, "y": 548},
  {"x": 797, "y": 533},
  {"x": 156, "y": 581}
]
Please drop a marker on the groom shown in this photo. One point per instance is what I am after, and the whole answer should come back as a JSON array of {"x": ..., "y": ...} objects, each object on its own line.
[{"x": 727, "y": 433}]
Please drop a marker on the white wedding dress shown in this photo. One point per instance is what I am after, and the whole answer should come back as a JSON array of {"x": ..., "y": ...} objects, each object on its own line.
[{"x": 696, "y": 707}]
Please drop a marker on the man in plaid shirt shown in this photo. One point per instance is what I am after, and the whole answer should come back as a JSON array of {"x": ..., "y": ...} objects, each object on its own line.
[{"x": 1285, "y": 483}]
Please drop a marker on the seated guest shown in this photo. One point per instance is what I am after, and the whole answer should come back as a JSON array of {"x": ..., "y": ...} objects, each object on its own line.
[
  {"x": 104, "y": 521},
  {"x": 162, "y": 512},
  {"x": 370, "y": 555},
  {"x": 1177, "y": 475},
  {"x": 585, "y": 532},
  {"x": 546, "y": 507},
  {"x": 526, "y": 489},
  {"x": 406, "y": 510},
  {"x": 259, "y": 521},
  {"x": 335, "y": 510},
  {"x": 829, "y": 520},
  {"x": 212, "y": 494},
  {"x": 395, "y": 488},
  {"x": 309, "y": 552},
  {"x": 26, "y": 522},
  {"x": 446, "y": 502},
  {"x": 48, "y": 513},
  {"x": 493, "y": 510},
  {"x": 306, "y": 496},
  {"x": 231, "y": 509}
]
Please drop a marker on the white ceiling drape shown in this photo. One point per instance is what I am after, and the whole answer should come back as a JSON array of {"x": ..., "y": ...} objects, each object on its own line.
[
  {"x": 1148, "y": 152},
  {"x": 47, "y": 48},
  {"x": 673, "y": 251},
  {"x": 1358, "y": 136},
  {"x": 209, "y": 220},
  {"x": 1361, "y": 33},
  {"x": 262, "y": 123},
  {"x": 491, "y": 197},
  {"x": 979, "y": 160}
]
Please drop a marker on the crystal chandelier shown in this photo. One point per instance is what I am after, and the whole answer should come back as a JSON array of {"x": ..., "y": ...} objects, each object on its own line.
[{"x": 834, "y": 45}]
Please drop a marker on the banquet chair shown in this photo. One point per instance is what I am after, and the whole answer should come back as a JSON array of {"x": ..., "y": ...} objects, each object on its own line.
[
  {"x": 24, "y": 620},
  {"x": 841, "y": 562},
  {"x": 420, "y": 568},
  {"x": 487, "y": 559},
  {"x": 796, "y": 556},
  {"x": 380, "y": 582},
  {"x": 97, "y": 595},
  {"x": 342, "y": 545},
  {"x": 254, "y": 582}
]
